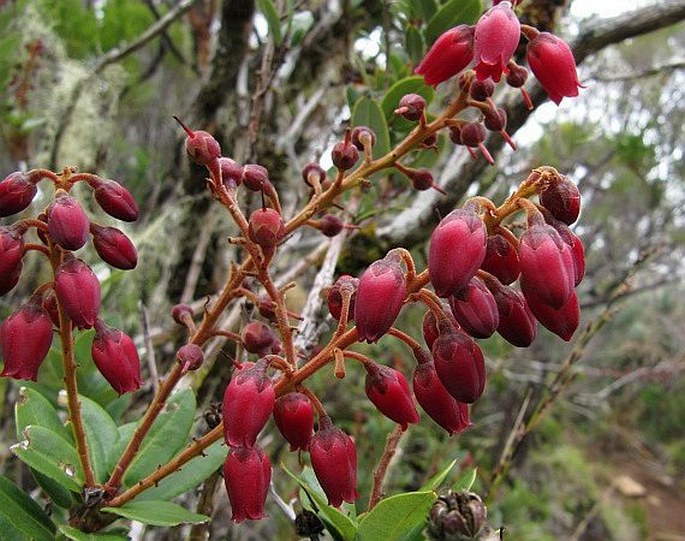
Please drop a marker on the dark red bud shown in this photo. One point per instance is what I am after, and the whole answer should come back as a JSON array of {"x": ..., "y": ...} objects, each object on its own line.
[
  {"x": 294, "y": 416},
  {"x": 16, "y": 193},
  {"x": 335, "y": 300},
  {"x": 475, "y": 308},
  {"x": 495, "y": 119},
  {"x": 50, "y": 305},
  {"x": 330, "y": 225},
  {"x": 516, "y": 322},
  {"x": 25, "y": 339},
  {"x": 67, "y": 222},
  {"x": 116, "y": 357},
  {"x": 561, "y": 321},
  {"x": 255, "y": 177},
  {"x": 361, "y": 135},
  {"x": 180, "y": 311},
  {"x": 574, "y": 243},
  {"x": 456, "y": 251},
  {"x": 116, "y": 201},
  {"x": 562, "y": 199},
  {"x": 334, "y": 460},
  {"x": 481, "y": 90},
  {"x": 313, "y": 171},
  {"x": 231, "y": 173},
  {"x": 190, "y": 357},
  {"x": 247, "y": 475},
  {"x": 114, "y": 247},
  {"x": 517, "y": 75},
  {"x": 78, "y": 292},
  {"x": 258, "y": 337},
  {"x": 501, "y": 259},
  {"x": 472, "y": 134},
  {"x": 411, "y": 107},
  {"x": 344, "y": 155},
  {"x": 248, "y": 403},
  {"x": 201, "y": 146},
  {"x": 266, "y": 228},
  {"x": 422, "y": 179},
  {"x": 388, "y": 390},
  {"x": 11, "y": 254},
  {"x": 460, "y": 365}
]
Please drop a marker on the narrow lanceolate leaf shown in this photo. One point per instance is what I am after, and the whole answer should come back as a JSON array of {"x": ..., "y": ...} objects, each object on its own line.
[
  {"x": 451, "y": 14},
  {"x": 157, "y": 513},
  {"x": 268, "y": 9},
  {"x": 465, "y": 481},
  {"x": 167, "y": 436},
  {"x": 434, "y": 482},
  {"x": 20, "y": 517},
  {"x": 51, "y": 455},
  {"x": 101, "y": 434},
  {"x": 396, "y": 516},
  {"x": 368, "y": 113},
  {"x": 33, "y": 408},
  {"x": 189, "y": 476},
  {"x": 78, "y": 535},
  {"x": 59, "y": 495}
]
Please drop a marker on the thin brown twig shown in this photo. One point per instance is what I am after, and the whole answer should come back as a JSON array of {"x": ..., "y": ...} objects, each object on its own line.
[{"x": 381, "y": 470}]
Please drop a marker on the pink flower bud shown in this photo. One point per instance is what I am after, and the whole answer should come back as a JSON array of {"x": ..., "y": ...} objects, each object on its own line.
[
  {"x": 473, "y": 134},
  {"x": 380, "y": 296},
  {"x": 450, "y": 54},
  {"x": 294, "y": 416},
  {"x": 411, "y": 107},
  {"x": 116, "y": 201},
  {"x": 190, "y": 357},
  {"x": 231, "y": 173},
  {"x": 456, "y": 251},
  {"x": 516, "y": 322},
  {"x": 11, "y": 253},
  {"x": 180, "y": 311},
  {"x": 547, "y": 265},
  {"x": 255, "y": 177},
  {"x": 266, "y": 228},
  {"x": 335, "y": 300},
  {"x": 562, "y": 199},
  {"x": 78, "y": 292},
  {"x": 475, "y": 309},
  {"x": 436, "y": 401},
  {"x": 16, "y": 193},
  {"x": 551, "y": 60},
  {"x": 313, "y": 171},
  {"x": 258, "y": 337},
  {"x": 50, "y": 306},
  {"x": 25, "y": 338},
  {"x": 67, "y": 222},
  {"x": 114, "y": 247},
  {"x": 344, "y": 155},
  {"x": 481, "y": 90},
  {"x": 501, "y": 259},
  {"x": 362, "y": 134},
  {"x": 495, "y": 39},
  {"x": 460, "y": 365},
  {"x": 247, "y": 475},
  {"x": 576, "y": 246},
  {"x": 248, "y": 402},
  {"x": 561, "y": 321},
  {"x": 10, "y": 278},
  {"x": 330, "y": 225},
  {"x": 116, "y": 357},
  {"x": 201, "y": 146},
  {"x": 334, "y": 460},
  {"x": 388, "y": 390}
]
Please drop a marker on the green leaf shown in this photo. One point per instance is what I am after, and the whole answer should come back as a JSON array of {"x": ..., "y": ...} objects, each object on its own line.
[
  {"x": 451, "y": 14},
  {"x": 414, "y": 43},
  {"x": 125, "y": 433},
  {"x": 368, "y": 113},
  {"x": 51, "y": 455},
  {"x": 20, "y": 517},
  {"x": 33, "y": 408},
  {"x": 157, "y": 513},
  {"x": 268, "y": 9},
  {"x": 101, "y": 434},
  {"x": 434, "y": 482},
  {"x": 302, "y": 21},
  {"x": 409, "y": 85},
  {"x": 426, "y": 8},
  {"x": 167, "y": 436},
  {"x": 56, "y": 492},
  {"x": 190, "y": 476},
  {"x": 396, "y": 516},
  {"x": 466, "y": 480},
  {"x": 78, "y": 535},
  {"x": 339, "y": 525}
]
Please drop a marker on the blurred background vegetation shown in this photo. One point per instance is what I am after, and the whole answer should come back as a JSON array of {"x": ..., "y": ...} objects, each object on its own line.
[{"x": 607, "y": 461}]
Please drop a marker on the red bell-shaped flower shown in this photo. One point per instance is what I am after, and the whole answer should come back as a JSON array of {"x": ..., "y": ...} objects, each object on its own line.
[
  {"x": 294, "y": 416},
  {"x": 456, "y": 251},
  {"x": 67, "y": 222},
  {"x": 116, "y": 201},
  {"x": 114, "y": 247},
  {"x": 561, "y": 321},
  {"x": 460, "y": 365},
  {"x": 25, "y": 338},
  {"x": 380, "y": 296},
  {"x": 501, "y": 259},
  {"x": 78, "y": 292},
  {"x": 475, "y": 309},
  {"x": 575, "y": 244},
  {"x": 430, "y": 326},
  {"x": 449, "y": 55},
  {"x": 116, "y": 357},
  {"x": 495, "y": 39},
  {"x": 11, "y": 253},
  {"x": 516, "y": 322},
  {"x": 551, "y": 60},
  {"x": 436, "y": 401},
  {"x": 16, "y": 193},
  {"x": 334, "y": 460},
  {"x": 562, "y": 199},
  {"x": 247, "y": 474},
  {"x": 547, "y": 265},
  {"x": 388, "y": 390},
  {"x": 248, "y": 402}
]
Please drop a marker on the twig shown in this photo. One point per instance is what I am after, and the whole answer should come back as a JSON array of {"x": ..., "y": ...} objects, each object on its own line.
[
  {"x": 149, "y": 348},
  {"x": 193, "y": 274},
  {"x": 381, "y": 470}
]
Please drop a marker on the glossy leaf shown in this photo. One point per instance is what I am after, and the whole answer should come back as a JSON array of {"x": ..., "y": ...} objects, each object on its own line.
[
  {"x": 56, "y": 492},
  {"x": 396, "y": 516},
  {"x": 78, "y": 535},
  {"x": 22, "y": 518},
  {"x": 451, "y": 14},
  {"x": 189, "y": 476},
  {"x": 51, "y": 455},
  {"x": 33, "y": 408},
  {"x": 414, "y": 43},
  {"x": 368, "y": 113},
  {"x": 466, "y": 480},
  {"x": 436, "y": 480},
  {"x": 167, "y": 436},
  {"x": 101, "y": 434},
  {"x": 157, "y": 513}
]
